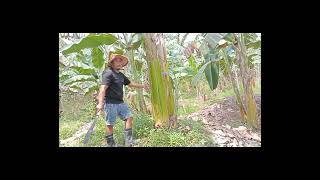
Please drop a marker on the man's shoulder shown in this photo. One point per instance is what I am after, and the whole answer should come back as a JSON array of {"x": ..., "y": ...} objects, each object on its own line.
[{"x": 107, "y": 72}]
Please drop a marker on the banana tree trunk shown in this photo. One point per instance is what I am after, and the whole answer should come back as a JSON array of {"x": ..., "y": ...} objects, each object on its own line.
[
  {"x": 139, "y": 97},
  {"x": 234, "y": 85},
  {"x": 258, "y": 75},
  {"x": 142, "y": 104},
  {"x": 247, "y": 81},
  {"x": 162, "y": 96},
  {"x": 148, "y": 100}
]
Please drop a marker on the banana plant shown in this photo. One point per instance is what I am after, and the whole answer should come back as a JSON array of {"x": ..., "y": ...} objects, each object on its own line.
[
  {"x": 87, "y": 60},
  {"x": 230, "y": 50},
  {"x": 161, "y": 89},
  {"x": 212, "y": 59},
  {"x": 245, "y": 41},
  {"x": 183, "y": 63}
]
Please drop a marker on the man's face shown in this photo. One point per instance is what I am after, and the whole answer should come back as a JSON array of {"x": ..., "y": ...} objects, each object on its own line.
[{"x": 117, "y": 63}]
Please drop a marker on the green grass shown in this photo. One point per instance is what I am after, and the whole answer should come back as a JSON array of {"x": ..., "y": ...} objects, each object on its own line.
[
  {"x": 67, "y": 129},
  {"x": 142, "y": 124},
  {"x": 190, "y": 108},
  {"x": 76, "y": 113},
  {"x": 178, "y": 137},
  {"x": 225, "y": 93},
  {"x": 150, "y": 137},
  {"x": 229, "y": 92},
  {"x": 97, "y": 138},
  {"x": 190, "y": 105}
]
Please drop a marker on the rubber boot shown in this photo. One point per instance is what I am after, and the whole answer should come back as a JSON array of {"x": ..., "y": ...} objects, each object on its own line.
[
  {"x": 128, "y": 137},
  {"x": 110, "y": 141}
]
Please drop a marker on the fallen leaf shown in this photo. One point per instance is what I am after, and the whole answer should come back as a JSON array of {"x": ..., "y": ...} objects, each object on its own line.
[
  {"x": 256, "y": 137},
  {"x": 219, "y": 132},
  {"x": 240, "y": 128},
  {"x": 221, "y": 140}
]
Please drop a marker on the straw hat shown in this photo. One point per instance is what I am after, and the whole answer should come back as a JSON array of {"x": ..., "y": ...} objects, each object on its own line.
[{"x": 122, "y": 57}]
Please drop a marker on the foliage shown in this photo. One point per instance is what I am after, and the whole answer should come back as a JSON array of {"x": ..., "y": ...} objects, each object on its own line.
[
  {"x": 87, "y": 61},
  {"x": 91, "y": 41},
  {"x": 179, "y": 137},
  {"x": 82, "y": 61}
]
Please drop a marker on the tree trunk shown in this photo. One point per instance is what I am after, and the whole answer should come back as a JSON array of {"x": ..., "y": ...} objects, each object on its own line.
[
  {"x": 142, "y": 104},
  {"x": 162, "y": 96},
  {"x": 147, "y": 101},
  {"x": 234, "y": 85},
  {"x": 247, "y": 81}
]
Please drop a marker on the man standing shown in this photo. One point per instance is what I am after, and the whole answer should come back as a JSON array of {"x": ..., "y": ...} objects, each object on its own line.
[{"x": 111, "y": 98}]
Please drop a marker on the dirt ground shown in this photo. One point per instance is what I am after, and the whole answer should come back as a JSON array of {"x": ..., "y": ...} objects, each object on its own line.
[{"x": 223, "y": 123}]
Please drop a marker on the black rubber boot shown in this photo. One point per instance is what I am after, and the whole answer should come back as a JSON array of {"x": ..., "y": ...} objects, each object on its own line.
[
  {"x": 128, "y": 137},
  {"x": 110, "y": 141}
]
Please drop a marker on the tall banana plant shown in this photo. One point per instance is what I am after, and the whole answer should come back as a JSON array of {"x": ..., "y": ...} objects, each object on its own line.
[
  {"x": 250, "y": 109},
  {"x": 218, "y": 49},
  {"x": 87, "y": 58},
  {"x": 162, "y": 96}
]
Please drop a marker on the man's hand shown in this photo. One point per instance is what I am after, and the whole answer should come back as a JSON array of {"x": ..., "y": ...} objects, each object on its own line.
[
  {"x": 99, "y": 108},
  {"x": 101, "y": 97},
  {"x": 135, "y": 85}
]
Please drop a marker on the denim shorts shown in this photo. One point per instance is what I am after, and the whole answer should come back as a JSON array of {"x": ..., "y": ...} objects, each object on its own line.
[{"x": 112, "y": 110}]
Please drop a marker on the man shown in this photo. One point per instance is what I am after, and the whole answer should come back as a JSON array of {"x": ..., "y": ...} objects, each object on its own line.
[{"x": 111, "y": 91}]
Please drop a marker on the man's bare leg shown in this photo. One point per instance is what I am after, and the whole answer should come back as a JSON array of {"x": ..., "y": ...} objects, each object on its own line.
[
  {"x": 109, "y": 129},
  {"x": 128, "y": 123}
]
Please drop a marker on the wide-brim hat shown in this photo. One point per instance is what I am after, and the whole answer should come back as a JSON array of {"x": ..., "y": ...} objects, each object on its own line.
[{"x": 122, "y": 57}]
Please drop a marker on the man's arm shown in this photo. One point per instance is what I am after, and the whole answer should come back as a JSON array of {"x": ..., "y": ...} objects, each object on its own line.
[
  {"x": 102, "y": 93},
  {"x": 132, "y": 84}
]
